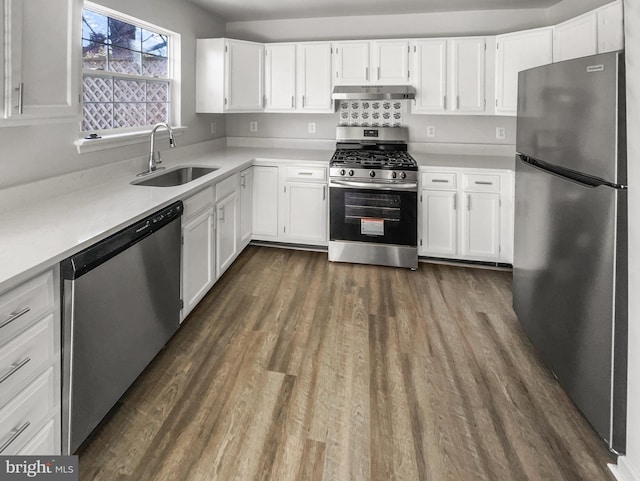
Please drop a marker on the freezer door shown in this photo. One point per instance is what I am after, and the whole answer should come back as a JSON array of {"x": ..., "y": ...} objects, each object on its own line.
[
  {"x": 572, "y": 114},
  {"x": 564, "y": 285}
]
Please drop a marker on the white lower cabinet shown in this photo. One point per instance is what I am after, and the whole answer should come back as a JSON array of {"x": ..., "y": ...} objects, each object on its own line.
[
  {"x": 439, "y": 230},
  {"x": 466, "y": 215},
  {"x": 290, "y": 204},
  {"x": 226, "y": 238},
  {"x": 246, "y": 207},
  {"x": 481, "y": 226},
  {"x": 198, "y": 258},
  {"x": 198, "y": 248},
  {"x": 30, "y": 367},
  {"x": 306, "y": 217}
]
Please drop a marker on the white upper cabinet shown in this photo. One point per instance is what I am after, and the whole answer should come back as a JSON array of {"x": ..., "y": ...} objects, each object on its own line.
[
  {"x": 245, "y": 76},
  {"x": 610, "y": 27},
  {"x": 468, "y": 75},
  {"x": 280, "y": 77},
  {"x": 42, "y": 60},
  {"x": 390, "y": 62},
  {"x": 450, "y": 75},
  {"x": 314, "y": 85},
  {"x": 229, "y": 76},
  {"x": 430, "y": 72},
  {"x": 351, "y": 63},
  {"x": 516, "y": 52},
  {"x": 577, "y": 37}
]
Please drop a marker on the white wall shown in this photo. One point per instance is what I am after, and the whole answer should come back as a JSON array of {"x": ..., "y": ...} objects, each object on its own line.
[
  {"x": 629, "y": 465},
  {"x": 449, "y": 128},
  {"x": 38, "y": 152}
]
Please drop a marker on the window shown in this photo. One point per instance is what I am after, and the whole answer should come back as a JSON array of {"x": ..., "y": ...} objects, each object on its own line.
[{"x": 128, "y": 67}]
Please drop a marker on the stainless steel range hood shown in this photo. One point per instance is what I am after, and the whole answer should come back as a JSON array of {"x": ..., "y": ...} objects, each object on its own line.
[{"x": 373, "y": 92}]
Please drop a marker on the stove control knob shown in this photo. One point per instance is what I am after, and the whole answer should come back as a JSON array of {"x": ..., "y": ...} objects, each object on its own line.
[
  {"x": 372, "y": 173},
  {"x": 403, "y": 175},
  {"x": 393, "y": 175},
  {"x": 342, "y": 171},
  {"x": 351, "y": 172}
]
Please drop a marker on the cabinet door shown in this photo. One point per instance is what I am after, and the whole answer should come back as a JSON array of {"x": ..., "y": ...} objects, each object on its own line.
[
  {"x": 314, "y": 77},
  {"x": 226, "y": 238},
  {"x": 481, "y": 238},
  {"x": 42, "y": 62},
  {"x": 575, "y": 38},
  {"x": 390, "y": 61},
  {"x": 519, "y": 51},
  {"x": 198, "y": 264},
  {"x": 439, "y": 220},
  {"x": 610, "y": 28},
  {"x": 246, "y": 206},
  {"x": 306, "y": 205},
  {"x": 280, "y": 77},
  {"x": 244, "y": 76},
  {"x": 431, "y": 76},
  {"x": 468, "y": 75},
  {"x": 265, "y": 201},
  {"x": 351, "y": 62}
]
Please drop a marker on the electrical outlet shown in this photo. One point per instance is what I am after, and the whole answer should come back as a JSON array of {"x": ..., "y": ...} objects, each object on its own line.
[
  {"x": 253, "y": 126},
  {"x": 311, "y": 128},
  {"x": 431, "y": 131},
  {"x": 213, "y": 127},
  {"x": 501, "y": 133}
]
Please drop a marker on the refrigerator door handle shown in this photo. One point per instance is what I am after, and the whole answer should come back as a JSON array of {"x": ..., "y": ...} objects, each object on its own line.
[{"x": 578, "y": 177}]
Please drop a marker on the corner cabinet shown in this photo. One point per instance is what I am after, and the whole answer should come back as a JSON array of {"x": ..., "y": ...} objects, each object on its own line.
[
  {"x": 516, "y": 52},
  {"x": 290, "y": 204},
  {"x": 229, "y": 76},
  {"x": 37, "y": 44},
  {"x": 466, "y": 214}
]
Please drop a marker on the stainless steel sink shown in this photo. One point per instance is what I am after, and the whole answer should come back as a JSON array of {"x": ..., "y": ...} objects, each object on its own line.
[{"x": 179, "y": 176}]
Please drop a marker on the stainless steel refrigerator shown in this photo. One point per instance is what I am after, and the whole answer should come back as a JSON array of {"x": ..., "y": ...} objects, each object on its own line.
[{"x": 570, "y": 257}]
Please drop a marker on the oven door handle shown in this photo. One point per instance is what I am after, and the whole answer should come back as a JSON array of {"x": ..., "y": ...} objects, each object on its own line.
[{"x": 410, "y": 186}]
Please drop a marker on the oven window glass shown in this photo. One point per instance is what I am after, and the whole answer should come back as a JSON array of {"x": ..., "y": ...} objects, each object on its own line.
[{"x": 377, "y": 216}]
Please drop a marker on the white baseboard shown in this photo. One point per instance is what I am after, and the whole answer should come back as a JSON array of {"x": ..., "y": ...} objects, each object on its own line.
[{"x": 624, "y": 471}]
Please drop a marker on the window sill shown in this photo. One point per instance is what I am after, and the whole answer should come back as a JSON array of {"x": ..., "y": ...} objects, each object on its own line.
[{"x": 119, "y": 140}]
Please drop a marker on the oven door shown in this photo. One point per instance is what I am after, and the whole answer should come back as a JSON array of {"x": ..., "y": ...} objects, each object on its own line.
[{"x": 375, "y": 213}]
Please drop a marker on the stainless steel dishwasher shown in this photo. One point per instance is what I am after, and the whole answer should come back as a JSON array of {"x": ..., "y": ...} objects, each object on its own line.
[{"x": 121, "y": 304}]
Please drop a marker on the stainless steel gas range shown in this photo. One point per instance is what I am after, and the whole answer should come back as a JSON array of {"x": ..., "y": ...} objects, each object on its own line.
[{"x": 373, "y": 201}]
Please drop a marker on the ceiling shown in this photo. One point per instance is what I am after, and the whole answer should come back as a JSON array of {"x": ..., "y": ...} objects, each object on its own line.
[{"x": 245, "y": 10}]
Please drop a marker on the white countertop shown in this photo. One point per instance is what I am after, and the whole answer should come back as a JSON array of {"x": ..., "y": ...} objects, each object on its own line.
[
  {"x": 41, "y": 234},
  {"x": 84, "y": 208}
]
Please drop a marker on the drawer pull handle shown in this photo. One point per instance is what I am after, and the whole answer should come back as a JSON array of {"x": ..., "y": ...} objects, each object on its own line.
[
  {"x": 482, "y": 182},
  {"x": 15, "y": 367},
  {"x": 440, "y": 181},
  {"x": 15, "y": 315},
  {"x": 14, "y": 435},
  {"x": 305, "y": 173}
]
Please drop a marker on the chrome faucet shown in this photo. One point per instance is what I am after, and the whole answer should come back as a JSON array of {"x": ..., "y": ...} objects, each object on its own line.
[{"x": 154, "y": 156}]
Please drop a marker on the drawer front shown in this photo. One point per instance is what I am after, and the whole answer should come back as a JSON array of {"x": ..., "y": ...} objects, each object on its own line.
[
  {"x": 43, "y": 443},
  {"x": 482, "y": 182},
  {"x": 306, "y": 173},
  {"x": 20, "y": 418},
  {"x": 26, "y": 355},
  {"x": 226, "y": 187},
  {"x": 439, "y": 180},
  {"x": 25, "y": 303},
  {"x": 198, "y": 202}
]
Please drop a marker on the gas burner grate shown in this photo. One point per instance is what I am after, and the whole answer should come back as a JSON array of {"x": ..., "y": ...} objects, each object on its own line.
[{"x": 373, "y": 159}]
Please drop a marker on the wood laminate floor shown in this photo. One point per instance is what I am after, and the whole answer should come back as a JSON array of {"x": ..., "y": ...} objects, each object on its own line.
[{"x": 294, "y": 368}]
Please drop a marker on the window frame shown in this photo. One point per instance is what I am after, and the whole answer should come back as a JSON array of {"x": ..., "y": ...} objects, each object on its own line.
[{"x": 173, "y": 76}]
